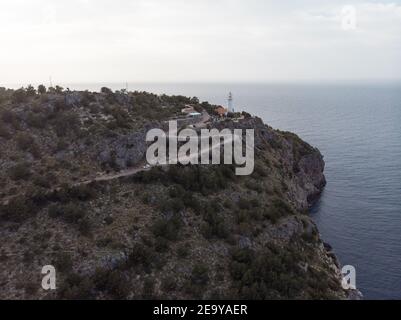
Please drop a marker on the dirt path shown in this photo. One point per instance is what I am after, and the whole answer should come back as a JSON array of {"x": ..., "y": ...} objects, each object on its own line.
[{"x": 143, "y": 166}]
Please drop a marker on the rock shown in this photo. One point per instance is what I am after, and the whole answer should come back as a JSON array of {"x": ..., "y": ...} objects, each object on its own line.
[
  {"x": 309, "y": 227},
  {"x": 125, "y": 150},
  {"x": 62, "y": 155},
  {"x": 244, "y": 242},
  {"x": 221, "y": 249},
  {"x": 327, "y": 247},
  {"x": 122, "y": 98},
  {"x": 309, "y": 181},
  {"x": 304, "y": 266},
  {"x": 73, "y": 99},
  {"x": 287, "y": 228},
  {"x": 114, "y": 261},
  {"x": 354, "y": 295}
]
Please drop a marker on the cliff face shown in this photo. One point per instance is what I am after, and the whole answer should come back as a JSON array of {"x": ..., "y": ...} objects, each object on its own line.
[
  {"x": 301, "y": 161},
  {"x": 124, "y": 150},
  {"x": 175, "y": 232}
]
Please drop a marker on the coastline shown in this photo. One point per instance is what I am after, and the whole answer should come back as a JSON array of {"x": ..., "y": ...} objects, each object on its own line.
[{"x": 205, "y": 223}]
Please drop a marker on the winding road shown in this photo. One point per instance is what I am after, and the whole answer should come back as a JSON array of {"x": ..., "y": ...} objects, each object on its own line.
[{"x": 143, "y": 166}]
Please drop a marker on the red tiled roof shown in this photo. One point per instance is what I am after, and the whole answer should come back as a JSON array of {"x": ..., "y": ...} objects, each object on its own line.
[{"x": 220, "y": 110}]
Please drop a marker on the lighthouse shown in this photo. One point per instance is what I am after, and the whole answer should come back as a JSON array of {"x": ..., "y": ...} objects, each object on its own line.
[{"x": 230, "y": 103}]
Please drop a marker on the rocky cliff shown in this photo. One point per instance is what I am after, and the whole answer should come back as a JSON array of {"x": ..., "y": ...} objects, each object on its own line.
[{"x": 173, "y": 232}]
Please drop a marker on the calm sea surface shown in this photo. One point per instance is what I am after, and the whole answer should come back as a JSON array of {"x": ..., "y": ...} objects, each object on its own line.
[{"x": 358, "y": 130}]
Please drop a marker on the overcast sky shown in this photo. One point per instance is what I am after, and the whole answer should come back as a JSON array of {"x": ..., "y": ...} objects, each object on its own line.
[{"x": 197, "y": 41}]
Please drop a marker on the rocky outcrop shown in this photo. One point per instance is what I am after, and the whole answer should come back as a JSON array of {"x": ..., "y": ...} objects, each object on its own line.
[
  {"x": 307, "y": 164},
  {"x": 309, "y": 181},
  {"x": 126, "y": 150},
  {"x": 305, "y": 167}
]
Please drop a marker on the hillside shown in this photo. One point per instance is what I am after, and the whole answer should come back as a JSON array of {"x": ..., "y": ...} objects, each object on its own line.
[{"x": 169, "y": 232}]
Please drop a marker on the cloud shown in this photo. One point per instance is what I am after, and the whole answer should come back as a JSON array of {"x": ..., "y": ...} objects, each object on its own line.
[{"x": 197, "y": 40}]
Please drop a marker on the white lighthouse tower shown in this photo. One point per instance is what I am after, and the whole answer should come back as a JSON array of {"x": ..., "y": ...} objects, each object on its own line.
[{"x": 230, "y": 103}]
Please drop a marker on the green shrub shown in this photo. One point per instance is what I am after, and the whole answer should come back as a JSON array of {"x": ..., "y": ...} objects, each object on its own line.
[
  {"x": 215, "y": 229},
  {"x": 176, "y": 191},
  {"x": 10, "y": 117},
  {"x": 66, "y": 122},
  {"x": 106, "y": 90},
  {"x": 255, "y": 186},
  {"x": 112, "y": 282},
  {"x": 169, "y": 284},
  {"x": 109, "y": 220},
  {"x": 17, "y": 210},
  {"x": 200, "y": 275},
  {"x": 275, "y": 144},
  {"x": 241, "y": 216},
  {"x": 71, "y": 212},
  {"x": 161, "y": 245},
  {"x": 148, "y": 289},
  {"x": 30, "y": 91},
  {"x": 255, "y": 203},
  {"x": 30, "y": 288},
  {"x": 206, "y": 179},
  {"x": 76, "y": 287},
  {"x": 55, "y": 210},
  {"x": 94, "y": 108},
  {"x": 121, "y": 117},
  {"x": 36, "y": 120},
  {"x": 141, "y": 256},
  {"x": 42, "y": 89},
  {"x": 56, "y": 90},
  {"x": 167, "y": 228},
  {"x": 272, "y": 215},
  {"x": 228, "y": 204},
  {"x": 20, "y": 171},
  {"x": 282, "y": 208},
  {"x": 191, "y": 202},
  {"x": 83, "y": 192},
  {"x": 61, "y": 145},
  {"x": 103, "y": 243},
  {"x": 146, "y": 198},
  {"x": 260, "y": 171},
  {"x": 215, "y": 225},
  {"x": 19, "y": 96},
  {"x": 63, "y": 262},
  {"x": 84, "y": 227},
  {"x": 42, "y": 181},
  {"x": 273, "y": 273},
  {"x": 4, "y": 132},
  {"x": 244, "y": 204},
  {"x": 183, "y": 251},
  {"x": 24, "y": 141},
  {"x": 172, "y": 205}
]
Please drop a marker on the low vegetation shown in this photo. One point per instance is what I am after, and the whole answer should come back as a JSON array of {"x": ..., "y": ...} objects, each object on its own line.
[{"x": 180, "y": 232}]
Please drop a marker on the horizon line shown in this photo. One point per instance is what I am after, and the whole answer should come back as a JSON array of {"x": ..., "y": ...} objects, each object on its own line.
[{"x": 202, "y": 82}]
